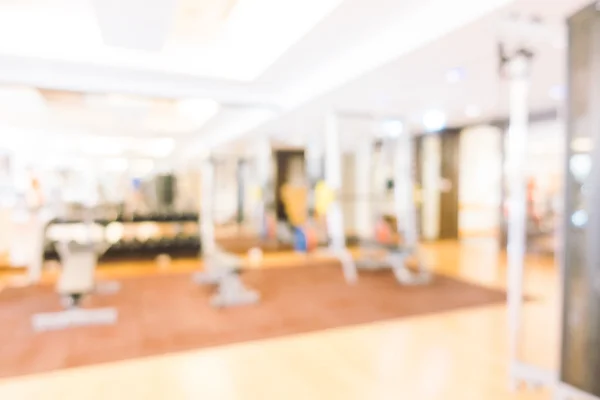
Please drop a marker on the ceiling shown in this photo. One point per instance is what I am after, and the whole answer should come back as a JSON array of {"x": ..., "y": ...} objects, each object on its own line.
[
  {"x": 209, "y": 72},
  {"x": 224, "y": 39},
  {"x": 457, "y": 75}
]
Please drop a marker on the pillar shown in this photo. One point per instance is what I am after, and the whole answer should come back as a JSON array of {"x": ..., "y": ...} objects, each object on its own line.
[
  {"x": 431, "y": 168},
  {"x": 404, "y": 190},
  {"x": 207, "y": 227},
  {"x": 363, "y": 188},
  {"x": 333, "y": 177},
  {"x": 518, "y": 70}
]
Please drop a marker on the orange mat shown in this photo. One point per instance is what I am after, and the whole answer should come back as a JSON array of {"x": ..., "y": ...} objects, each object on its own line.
[{"x": 168, "y": 313}]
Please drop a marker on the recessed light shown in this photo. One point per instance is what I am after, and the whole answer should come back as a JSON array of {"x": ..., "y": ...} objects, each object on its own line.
[
  {"x": 472, "y": 111},
  {"x": 455, "y": 75},
  {"x": 392, "y": 128},
  {"x": 197, "y": 110},
  {"x": 434, "y": 120}
]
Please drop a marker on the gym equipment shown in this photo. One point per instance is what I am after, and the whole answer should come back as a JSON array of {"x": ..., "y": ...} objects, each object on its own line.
[
  {"x": 180, "y": 246},
  {"x": 269, "y": 228},
  {"x": 396, "y": 239},
  {"x": 76, "y": 280},
  {"x": 305, "y": 239},
  {"x": 323, "y": 163},
  {"x": 222, "y": 270}
]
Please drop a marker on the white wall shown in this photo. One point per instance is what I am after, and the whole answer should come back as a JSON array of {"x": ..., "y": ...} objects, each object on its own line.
[
  {"x": 480, "y": 175},
  {"x": 481, "y": 167},
  {"x": 430, "y": 191}
]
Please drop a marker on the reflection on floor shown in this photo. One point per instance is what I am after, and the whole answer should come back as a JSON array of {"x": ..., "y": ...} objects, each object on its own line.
[{"x": 453, "y": 355}]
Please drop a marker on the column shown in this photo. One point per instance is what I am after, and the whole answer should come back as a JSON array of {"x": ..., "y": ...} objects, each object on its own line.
[
  {"x": 518, "y": 70},
  {"x": 333, "y": 177},
  {"x": 404, "y": 190},
  {"x": 207, "y": 228},
  {"x": 363, "y": 176},
  {"x": 264, "y": 183},
  {"x": 431, "y": 187},
  {"x": 335, "y": 219},
  {"x": 314, "y": 160}
]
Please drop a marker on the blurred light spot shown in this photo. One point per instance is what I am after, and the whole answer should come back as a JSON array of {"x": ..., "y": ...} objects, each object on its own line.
[{"x": 434, "y": 121}]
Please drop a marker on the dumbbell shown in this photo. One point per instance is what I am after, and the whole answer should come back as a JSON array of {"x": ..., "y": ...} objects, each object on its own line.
[
  {"x": 177, "y": 242},
  {"x": 152, "y": 244},
  {"x": 133, "y": 246},
  {"x": 191, "y": 217},
  {"x": 116, "y": 247},
  {"x": 164, "y": 244},
  {"x": 153, "y": 216}
]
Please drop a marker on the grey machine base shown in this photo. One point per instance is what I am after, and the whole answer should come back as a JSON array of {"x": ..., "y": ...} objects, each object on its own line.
[
  {"x": 76, "y": 317},
  {"x": 75, "y": 282},
  {"x": 374, "y": 256},
  {"x": 222, "y": 271}
]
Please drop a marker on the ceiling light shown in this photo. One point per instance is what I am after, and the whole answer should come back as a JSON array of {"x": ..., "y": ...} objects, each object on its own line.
[
  {"x": 472, "y": 111},
  {"x": 124, "y": 101},
  {"x": 580, "y": 166},
  {"x": 16, "y": 99},
  {"x": 434, "y": 121},
  {"x": 455, "y": 75},
  {"x": 245, "y": 121},
  {"x": 134, "y": 24},
  {"x": 197, "y": 110},
  {"x": 116, "y": 165},
  {"x": 156, "y": 148},
  {"x": 557, "y": 92},
  {"x": 141, "y": 167},
  {"x": 392, "y": 128},
  {"x": 102, "y": 146}
]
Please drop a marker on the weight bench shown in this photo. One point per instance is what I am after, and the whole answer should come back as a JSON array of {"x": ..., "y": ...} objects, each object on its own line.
[
  {"x": 395, "y": 259},
  {"x": 223, "y": 271},
  {"x": 75, "y": 282}
]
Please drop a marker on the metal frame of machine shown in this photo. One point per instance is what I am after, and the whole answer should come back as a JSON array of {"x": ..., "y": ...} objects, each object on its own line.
[{"x": 221, "y": 269}]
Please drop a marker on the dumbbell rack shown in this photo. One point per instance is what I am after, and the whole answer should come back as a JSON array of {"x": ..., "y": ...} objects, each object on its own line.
[{"x": 177, "y": 246}]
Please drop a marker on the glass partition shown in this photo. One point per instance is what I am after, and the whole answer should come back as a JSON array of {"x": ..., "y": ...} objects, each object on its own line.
[{"x": 580, "y": 366}]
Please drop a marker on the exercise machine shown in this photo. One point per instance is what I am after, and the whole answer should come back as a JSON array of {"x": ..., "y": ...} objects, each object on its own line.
[
  {"x": 323, "y": 163},
  {"x": 78, "y": 265},
  {"x": 221, "y": 270},
  {"x": 396, "y": 239}
]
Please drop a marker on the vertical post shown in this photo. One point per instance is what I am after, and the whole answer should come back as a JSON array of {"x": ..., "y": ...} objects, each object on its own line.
[
  {"x": 404, "y": 191},
  {"x": 263, "y": 177},
  {"x": 363, "y": 175},
  {"x": 314, "y": 168},
  {"x": 241, "y": 191},
  {"x": 207, "y": 228},
  {"x": 333, "y": 178},
  {"x": 518, "y": 69},
  {"x": 430, "y": 206}
]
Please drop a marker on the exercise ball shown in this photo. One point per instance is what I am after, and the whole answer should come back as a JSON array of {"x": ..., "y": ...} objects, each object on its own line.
[{"x": 255, "y": 256}]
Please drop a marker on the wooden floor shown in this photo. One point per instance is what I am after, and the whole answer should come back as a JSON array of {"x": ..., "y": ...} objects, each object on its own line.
[{"x": 455, "y": 355}]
